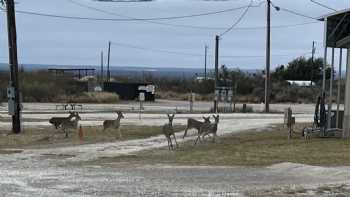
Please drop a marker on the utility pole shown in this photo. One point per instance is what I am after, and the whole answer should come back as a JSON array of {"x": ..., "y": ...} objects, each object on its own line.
[
  {"x": 13, "y": 63},
  {"x": 102, "y": 74},
  {"x": 312, "y": 61},
  {"x": 216, "y": 99},
  {"x": 108, "y": 60},
  {"x": 268, "y": 48},
  {"x": 205, "y": 61}
]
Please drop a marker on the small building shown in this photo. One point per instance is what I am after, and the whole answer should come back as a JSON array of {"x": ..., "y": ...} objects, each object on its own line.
[
  {"x": 131, "y": 91},
  {"x": 300, "y": 83}
]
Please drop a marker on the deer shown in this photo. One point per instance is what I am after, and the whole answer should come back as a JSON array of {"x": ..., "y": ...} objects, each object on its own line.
[
  {"x": 208, "y": 128},
  {"x": 57, "y": 121},
  {"x": 115, "y": 124},
  {"x": 68, "y": 124},
  {"x": 168, "y": 131},
  {"x": 195, "y": 124}
]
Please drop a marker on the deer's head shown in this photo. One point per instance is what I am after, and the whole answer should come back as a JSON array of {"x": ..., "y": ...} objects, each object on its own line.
[
  {"x": 71, "y": 114},
  {"x": 76, "y": 115},
  {"x": 171, "y": 118},
  {"x": 206, "y": 119},
  {"x": 120, "y": 114},
  {"x": 216, "y": 117}
]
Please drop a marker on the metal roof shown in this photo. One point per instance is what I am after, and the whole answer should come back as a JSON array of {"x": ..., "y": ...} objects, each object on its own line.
[{"x": 337, "y": 28}]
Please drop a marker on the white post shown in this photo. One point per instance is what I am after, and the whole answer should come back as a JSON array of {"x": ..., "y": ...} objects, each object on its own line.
[
  {"x": 346, "y": 122},
  {"x": 339, "y": 85}
]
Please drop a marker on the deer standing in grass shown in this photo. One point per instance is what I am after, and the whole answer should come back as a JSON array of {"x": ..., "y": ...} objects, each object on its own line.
[
  {"x": 57, "y": 121},
  {"x": 68, "y": 124},
  {"x": 114, "y": 124},
  {"x": 195, "y": 124},
  {"x": 208, "y": 128},
  {"x": 168, "y": 131}
]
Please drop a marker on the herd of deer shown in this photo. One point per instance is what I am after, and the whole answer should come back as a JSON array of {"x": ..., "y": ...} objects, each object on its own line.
[
  {"x": 71, "y": 122},
  {"x": 204, "y": 128}
]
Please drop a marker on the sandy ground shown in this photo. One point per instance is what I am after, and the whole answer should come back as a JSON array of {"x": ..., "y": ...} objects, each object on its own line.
[{"x": 51, "y": 172}]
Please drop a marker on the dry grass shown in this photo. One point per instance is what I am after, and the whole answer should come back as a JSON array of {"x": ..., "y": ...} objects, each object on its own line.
[
  {"x": 92, "y": 97},
  {"x": 250, "y": 149},
  {"x": 48, "y": 137}
]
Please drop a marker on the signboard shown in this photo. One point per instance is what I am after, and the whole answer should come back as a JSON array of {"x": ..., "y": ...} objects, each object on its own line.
[
  {"x": 224, "y": 94},
  {"x": 142, "y": 96},
  {"x": 148, "y": 88}
]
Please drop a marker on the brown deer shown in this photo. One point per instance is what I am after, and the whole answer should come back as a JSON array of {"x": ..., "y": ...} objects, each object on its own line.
[
  {"x": 69, "y": 124},
  {"x": 57, "y": 121},
  {"x": 195, "y": 124},
  {"x": 168, "y": 131},
  {"x": 114, "y": 124},
  {"x": 208, "y": 128}
]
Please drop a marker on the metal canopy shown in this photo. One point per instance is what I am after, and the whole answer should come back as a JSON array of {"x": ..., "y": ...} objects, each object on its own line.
[{"x": 337, "y": 28}]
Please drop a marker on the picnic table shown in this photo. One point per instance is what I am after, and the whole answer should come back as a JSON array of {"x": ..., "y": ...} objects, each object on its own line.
[{"x": 69, "y": 106}]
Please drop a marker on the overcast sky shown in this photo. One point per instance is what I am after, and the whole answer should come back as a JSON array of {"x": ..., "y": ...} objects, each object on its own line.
[{"x": 43, "y": 40}]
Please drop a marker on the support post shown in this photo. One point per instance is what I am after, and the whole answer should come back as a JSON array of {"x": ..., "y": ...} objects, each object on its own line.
[
  {"x": 216, "y": 100},
  {"x": 108, "y": 61},
  {"x": 268, "y": 49},
  {"x": 13, "y": 63},
  {"x": 339, "y": 86},
  {"x": 346, "y": 123},
  {"x": 102, "y": 74},
  {"x": 312, "y": 61},
  {"x": 330, "y": 101},
  {"x": 205, "y": 62}
]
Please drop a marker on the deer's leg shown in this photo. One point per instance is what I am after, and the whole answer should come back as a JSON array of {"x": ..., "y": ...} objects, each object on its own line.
[
  {"x": 185, "y": 133},
  {"x": 120, "y": 133},
  {"x": 175, "y": 141},
  {"x": 198, "y": 138},
  {"x": 171, "y": 143},
  {"x": 66, "y": 132},
  {"x": 168, "y": 143}
]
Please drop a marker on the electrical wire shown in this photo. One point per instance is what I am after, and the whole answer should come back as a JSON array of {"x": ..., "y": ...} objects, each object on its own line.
[
  {"x": 125, "y": 45},
  {"x": 293, "y": 12},
  {"x": 187, "y": 26},
  {"x": 238, "y": 20},
  {"x": 323, "y": 5},
  {"x": 127, "y": 19}
]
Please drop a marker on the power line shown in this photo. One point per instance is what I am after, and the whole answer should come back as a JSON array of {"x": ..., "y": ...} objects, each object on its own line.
[
  {"x": 125, "y": 45},
  {"x": 293, "y": 12},
  {"x": 238, "y": 21},
  {"x": 126, "y": 19},
  {"x": 323, "y": 5},
  {"x": 189, "y": 26}
]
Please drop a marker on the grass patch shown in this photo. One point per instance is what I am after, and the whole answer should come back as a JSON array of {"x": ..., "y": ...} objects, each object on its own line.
[
  {"x": 251, "y": 148},
  {"x": 48, "y": 137}
]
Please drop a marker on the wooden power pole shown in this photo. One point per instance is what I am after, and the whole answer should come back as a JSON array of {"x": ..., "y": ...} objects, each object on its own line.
[
  {"x": 13, "y": 63},
  {"x": 205, "y": 61},
  {"x": 216, "y": 99},
  {"x": 108, "y": 60},
  {"x": 268, "y": 50},
  {"x": 102, "y": 74}
]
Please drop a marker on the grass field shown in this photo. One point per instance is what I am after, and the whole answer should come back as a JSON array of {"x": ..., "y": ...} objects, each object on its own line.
[
  {"x": 48, "y": 137},
  {"x": 253, "y": 148}
]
